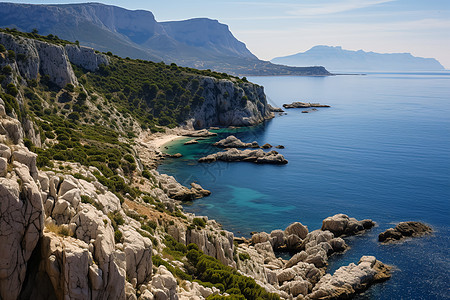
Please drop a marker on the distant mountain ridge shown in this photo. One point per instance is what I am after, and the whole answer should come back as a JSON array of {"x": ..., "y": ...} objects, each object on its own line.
[
  {"x": 200, "y": 43},
  {"x": 338, "y": 59}
]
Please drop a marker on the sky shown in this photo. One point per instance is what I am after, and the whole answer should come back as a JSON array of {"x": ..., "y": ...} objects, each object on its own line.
[{"x": 271, "y": 29}]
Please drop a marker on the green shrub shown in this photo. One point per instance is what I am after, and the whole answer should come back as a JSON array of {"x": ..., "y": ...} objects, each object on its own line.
[
  {"x": 6, "y": 70},
  {"x": 11, "y": 55},
  {"x": 2, "y": 48},
  {"x": 244, "y": 256},
  {"x": 12, "y": 90},
  {"x": 200, "y": 222},
  {"x": 117, "y": 236}
]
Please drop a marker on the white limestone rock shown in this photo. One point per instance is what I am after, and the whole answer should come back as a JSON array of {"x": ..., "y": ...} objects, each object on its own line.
[{"x": 21, "y": 224}]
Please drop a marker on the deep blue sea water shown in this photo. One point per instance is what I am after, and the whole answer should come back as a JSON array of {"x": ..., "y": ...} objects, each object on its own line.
[{"x": 382, "y": 151}]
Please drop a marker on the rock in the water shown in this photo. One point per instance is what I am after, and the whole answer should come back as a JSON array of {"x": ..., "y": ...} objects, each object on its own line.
[
  {"x": 348, "y": 280},
  {"x": 256, "y": 156},
  {"x": 279, "y": 147},
  {"x": 303, "y": 105},
  {"x": 191, "y": 142},
  {"x": 233, "y": 142},
  {"x": 266, "y": 146},
  {"x": 403, "y": 230},
  {"x": 341, "y": 224}
]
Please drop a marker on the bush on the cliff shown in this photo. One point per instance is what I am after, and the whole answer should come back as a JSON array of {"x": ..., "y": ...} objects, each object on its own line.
[{"x": 228, "y": 279}]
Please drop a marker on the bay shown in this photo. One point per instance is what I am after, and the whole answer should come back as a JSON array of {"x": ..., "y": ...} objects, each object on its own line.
[{"x": 381, "y": 151}]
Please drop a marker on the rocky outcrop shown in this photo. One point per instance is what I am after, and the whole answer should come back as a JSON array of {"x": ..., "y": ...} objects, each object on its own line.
[
  {"x": 21, "y": 223},
  {"x": 303, "y": 275},
  {"x": 51, "y": 59},
  {"x": 255, "y": 156},
  {"x": 348, "y": 280},
  {"x": 275, "y": 109},
  {"x": 86, "y": 57},
  {"x": 228, "y": 103},
  {"x": 179, "y": 192},
  {"x": 233, "y": 142},
  {"x": 304, "y": 105},
  {"x": 404, "y": 230},
  {"x": 341, "y": 224}
]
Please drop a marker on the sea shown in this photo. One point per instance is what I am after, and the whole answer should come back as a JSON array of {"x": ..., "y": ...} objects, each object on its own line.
[{"x": 380, "y": 152}]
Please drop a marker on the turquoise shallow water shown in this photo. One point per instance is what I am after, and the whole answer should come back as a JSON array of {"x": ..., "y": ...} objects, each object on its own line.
[{"x": 381, "y": 152}]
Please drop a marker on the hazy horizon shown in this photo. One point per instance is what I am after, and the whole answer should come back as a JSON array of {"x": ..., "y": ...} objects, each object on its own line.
[{"x": 271, "y": 29}]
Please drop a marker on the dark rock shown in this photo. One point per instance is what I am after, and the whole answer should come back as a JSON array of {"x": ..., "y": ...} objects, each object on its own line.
[
  {"x": 305, "y": 112},
  {"x": 303, "y": 105},
  {"x": 279, "y": 147},
  {"x": 403, "y": 230},
  {"x": 176, "y": 155},
  {"x": 266, "y": 146}
]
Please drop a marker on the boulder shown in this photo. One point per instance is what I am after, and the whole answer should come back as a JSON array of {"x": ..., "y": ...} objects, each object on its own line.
[
  {"x": 260, "y": 237},
  {"x": 28, "y": 158},
  {"x": 5, "y": 151},
  {"x": 341, "y": 224},
  {"x": 404, "y": 230},
  {"x": 299, "y": 287},
  {"x": 277, "y": 239},
  {"x": 298, "y": 229}
]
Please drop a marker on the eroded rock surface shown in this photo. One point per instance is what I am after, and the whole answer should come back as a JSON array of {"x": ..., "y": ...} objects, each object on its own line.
[
  {"x": 404, "y": 230},
  {"x": 255, "y": 156}
]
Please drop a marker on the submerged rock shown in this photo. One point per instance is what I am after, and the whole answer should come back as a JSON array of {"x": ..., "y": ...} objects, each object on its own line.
[
  {"x": 191, "y": 142},
  {"x": 404, "y": 230}
]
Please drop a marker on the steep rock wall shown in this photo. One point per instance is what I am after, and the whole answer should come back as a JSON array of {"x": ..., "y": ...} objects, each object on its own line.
[
  {"x": 227, "y": 103},
  {"x": 50, "y": 59}
]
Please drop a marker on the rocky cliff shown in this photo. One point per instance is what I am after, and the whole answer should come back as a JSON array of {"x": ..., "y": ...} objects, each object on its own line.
[
  {"x": 38, "y": 57},
  {"x": 200, "y": 43},
  {"x": 230, "y": 104}
]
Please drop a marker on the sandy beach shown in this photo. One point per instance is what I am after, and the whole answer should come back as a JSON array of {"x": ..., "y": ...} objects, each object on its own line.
[{"x": 159, "y": 141}]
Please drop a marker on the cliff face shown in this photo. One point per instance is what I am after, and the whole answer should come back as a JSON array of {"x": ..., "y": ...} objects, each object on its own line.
[
  {"x": 51, "y": 59},
  {"x": 200, "y": 43},
  {"x": 230, "y": 104}
]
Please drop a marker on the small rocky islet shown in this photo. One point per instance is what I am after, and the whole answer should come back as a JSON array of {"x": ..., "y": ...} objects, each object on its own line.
[
  {"x": 404, "y": 230},
  {"x": 303, "y": 105},
  {"x": 232, "y": 154}
]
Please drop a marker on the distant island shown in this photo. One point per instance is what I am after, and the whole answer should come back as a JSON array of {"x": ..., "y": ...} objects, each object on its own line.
[
  {"x": 199, "y": 43},
  {"x": 338, "y": 59}
]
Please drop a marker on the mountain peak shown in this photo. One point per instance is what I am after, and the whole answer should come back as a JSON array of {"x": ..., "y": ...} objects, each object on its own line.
[{"x": 337, "y": 59}]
